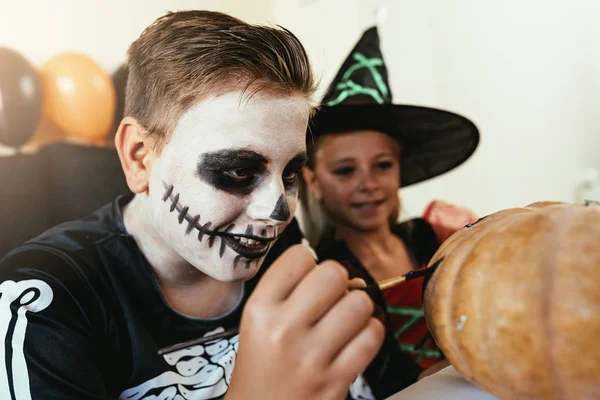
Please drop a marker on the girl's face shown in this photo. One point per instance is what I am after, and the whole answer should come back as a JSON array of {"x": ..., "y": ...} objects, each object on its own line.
[{"x": 356, "y": 177}]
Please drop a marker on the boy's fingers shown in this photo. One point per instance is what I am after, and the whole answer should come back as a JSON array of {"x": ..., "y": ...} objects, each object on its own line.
[{"x": 284, "y": 274}]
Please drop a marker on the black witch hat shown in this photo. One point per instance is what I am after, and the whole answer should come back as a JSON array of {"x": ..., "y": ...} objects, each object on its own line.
[{"x": 433, "y": 141}]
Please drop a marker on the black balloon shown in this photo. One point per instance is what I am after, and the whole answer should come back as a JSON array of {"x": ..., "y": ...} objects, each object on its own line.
[
  {"x": 119, "y": 78},
  {"x": 20, "y": 98}
]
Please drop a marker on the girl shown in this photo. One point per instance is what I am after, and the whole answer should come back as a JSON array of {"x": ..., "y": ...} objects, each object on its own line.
[{"x": 362, "y": 149}]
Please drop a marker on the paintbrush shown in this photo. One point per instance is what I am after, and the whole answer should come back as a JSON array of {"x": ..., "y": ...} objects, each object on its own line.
[
  {"x": 371, "y": 289},
  {"x": 391, "y": 282}
]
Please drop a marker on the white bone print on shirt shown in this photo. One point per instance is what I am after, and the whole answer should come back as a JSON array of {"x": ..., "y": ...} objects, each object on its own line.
[
  {"x": 203, "y": 372},
  {"x": 32, "y": 296},
  {"x": 360, "y": 390}
]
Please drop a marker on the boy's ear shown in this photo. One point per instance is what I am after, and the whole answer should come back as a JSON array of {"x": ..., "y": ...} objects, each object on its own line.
[
  {"x": 136, "y": 154},
  {"x": 311, "y": 182}
]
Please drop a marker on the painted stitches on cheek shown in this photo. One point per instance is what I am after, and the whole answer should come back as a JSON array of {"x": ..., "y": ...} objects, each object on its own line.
[
  {"x": 192, "y": 220},
  {"x": 235, "y": 171},
  {"x": 222, "y": 249},
  {"x": 203, "y": 229},
  {"x": 246, "y": 245}
]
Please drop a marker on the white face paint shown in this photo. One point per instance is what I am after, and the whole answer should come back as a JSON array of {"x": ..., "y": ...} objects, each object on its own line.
[{"x": 225, "y": 185}]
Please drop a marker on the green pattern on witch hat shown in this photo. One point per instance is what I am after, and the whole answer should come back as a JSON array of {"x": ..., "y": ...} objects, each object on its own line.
[{"x": 434, "y": 141}]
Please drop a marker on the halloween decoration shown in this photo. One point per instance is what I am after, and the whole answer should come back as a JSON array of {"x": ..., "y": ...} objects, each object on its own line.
[
  {"x": 79, "y": 96},
  {"x": 433, "y": 141},
  {"x": 514, "y": 302},
  {"x": 119, "y": 78},
  {"x": 20, "y": 98}
]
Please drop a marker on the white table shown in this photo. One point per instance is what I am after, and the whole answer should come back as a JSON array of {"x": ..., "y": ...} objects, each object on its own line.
[{"x": 445, "y": 384}]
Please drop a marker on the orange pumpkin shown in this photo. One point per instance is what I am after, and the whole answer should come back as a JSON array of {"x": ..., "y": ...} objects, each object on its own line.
[{"x": 514, "y": 303}]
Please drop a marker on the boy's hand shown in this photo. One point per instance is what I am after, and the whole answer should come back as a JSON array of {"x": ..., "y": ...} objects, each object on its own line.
[{"x": 303, "y": 335}]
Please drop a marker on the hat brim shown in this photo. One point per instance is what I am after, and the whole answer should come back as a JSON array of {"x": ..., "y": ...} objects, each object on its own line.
[{"x": 433, "y": 141}]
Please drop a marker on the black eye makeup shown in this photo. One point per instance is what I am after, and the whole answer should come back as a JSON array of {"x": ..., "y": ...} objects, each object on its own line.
[
  {"x": 237, "y": 172},
  {"x": 240, "y": 171},
  {"x": 291, "y": 174}
]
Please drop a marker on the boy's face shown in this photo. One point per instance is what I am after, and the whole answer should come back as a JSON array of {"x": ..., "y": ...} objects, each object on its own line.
[{"x": 225, "y": 185}]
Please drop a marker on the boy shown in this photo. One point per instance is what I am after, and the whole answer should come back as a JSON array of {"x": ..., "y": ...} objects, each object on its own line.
[{"x": 212, "y": 145}]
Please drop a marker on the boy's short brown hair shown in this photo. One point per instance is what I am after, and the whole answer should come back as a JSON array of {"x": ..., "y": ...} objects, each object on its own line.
[{"x": 186, "y": 56}]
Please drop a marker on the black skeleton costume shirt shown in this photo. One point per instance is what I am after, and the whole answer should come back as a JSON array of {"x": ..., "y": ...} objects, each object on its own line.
[{"x": 82, "y": 317}]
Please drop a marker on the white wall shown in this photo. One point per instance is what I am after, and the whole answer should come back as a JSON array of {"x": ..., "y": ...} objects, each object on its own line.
[
  {"x": 39, "y": 29},
  {"x": 327, "y": 28},
  {"x": 526, "y": 71}
]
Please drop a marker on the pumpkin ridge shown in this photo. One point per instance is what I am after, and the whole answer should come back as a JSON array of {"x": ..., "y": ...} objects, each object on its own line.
[
  {"x": 452, "y": 342},
  {"x": 485, "y": 333},
  {"x": 561, "y": 227},
  {"x": 460, "y": 364},
  {"x": 507, "y": 391},
  {"x": 449, "y": 304},
  {"x": 531, "y": 276},
  {"x": 498, "y": 225}
]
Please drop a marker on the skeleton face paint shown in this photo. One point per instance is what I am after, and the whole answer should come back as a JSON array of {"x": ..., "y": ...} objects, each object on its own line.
[{"x": 224, "y": 186}]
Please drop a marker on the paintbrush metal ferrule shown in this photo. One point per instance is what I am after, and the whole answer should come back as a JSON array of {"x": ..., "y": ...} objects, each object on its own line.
[{"x": 391, "y": 282}]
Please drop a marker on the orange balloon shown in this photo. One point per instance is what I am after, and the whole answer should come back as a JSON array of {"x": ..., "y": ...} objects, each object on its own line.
[{"x": 79, "y": 97}]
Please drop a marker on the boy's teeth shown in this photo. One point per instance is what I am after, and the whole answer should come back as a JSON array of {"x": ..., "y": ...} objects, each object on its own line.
[{"x": 247, "y": 241}]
